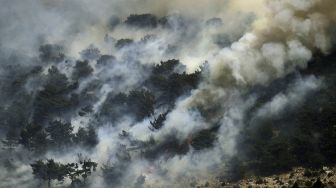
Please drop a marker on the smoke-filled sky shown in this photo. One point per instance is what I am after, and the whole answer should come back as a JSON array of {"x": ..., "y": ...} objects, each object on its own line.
[{"x": 233, "y": 47}]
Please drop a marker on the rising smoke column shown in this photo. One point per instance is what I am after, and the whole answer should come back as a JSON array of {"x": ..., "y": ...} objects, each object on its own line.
[{"x": 283, "y": 38}]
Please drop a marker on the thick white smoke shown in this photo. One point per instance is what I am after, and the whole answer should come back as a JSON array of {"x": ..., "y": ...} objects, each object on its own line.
[{"x": 264, "y": 40}]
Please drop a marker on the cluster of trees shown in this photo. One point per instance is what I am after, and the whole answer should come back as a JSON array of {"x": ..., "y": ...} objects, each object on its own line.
[
  {"x": 51, "y": 53},
  {"x": 170, "y": 81},
  {"x": 29, "y": 119},
  {"x": 57, "y": 135},
  {"x": 82, "y": 69},
  {"x": 55, "y": 98},
  {"x": 91, "y": 53},
  {"x": 304, "y": 136},
  {"x": 167, "y": 82},
  {"x": 151, "y": 21},
  {"x": 142, "y": 20},
  {"x": 50, "y": 170},
  {"x": 43, "y": 124},
  {"x": 138, "y": 103}
]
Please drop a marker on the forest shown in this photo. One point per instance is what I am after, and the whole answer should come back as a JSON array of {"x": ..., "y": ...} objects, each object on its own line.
[{"x": 166, "y": 100}]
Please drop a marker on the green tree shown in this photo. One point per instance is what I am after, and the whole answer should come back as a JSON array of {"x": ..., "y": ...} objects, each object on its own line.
[
  {"x": 158, "y": 122},
  {"x": 51, "y": 53},
  {"x": 141, "y": 103},
  {"x": 83, "y": 169},
  {"x": 60, "y": 133},
  {"x": 166, "y": 67},
  {"x": 34, "y": 138},
  {"x": 11, "y": 141},
  {"x": 169, "y": 80},
  {"x": 82, "y": 69},
  {"x": 49, "y": 170},
  {"x": 142, "y": 20},
  {"x": 123, "y": 43},
  {"x": 86, "y": 137},
  {"x": 54, "y": 97},
  {"x": 138, "y": 103},
  {"x": 114, "y": 107},
  {"x": 90, "y": 53}
]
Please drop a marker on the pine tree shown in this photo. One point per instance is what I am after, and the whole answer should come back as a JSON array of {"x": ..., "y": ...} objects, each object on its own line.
[{"x": 11, "y": 141}]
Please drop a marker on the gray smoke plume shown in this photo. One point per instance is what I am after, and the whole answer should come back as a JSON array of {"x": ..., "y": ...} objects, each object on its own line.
[{"x": 238, "y": 45}]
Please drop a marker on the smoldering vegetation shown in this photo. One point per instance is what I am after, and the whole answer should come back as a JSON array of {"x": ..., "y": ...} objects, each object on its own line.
[{"x": 139, "y": 96}]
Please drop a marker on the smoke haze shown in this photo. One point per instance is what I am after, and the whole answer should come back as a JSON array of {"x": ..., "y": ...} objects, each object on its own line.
[{"x": 90, "y": 64}]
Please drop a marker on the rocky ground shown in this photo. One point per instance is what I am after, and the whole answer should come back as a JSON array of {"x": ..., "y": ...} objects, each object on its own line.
[{"x": 298, "y": 177}]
